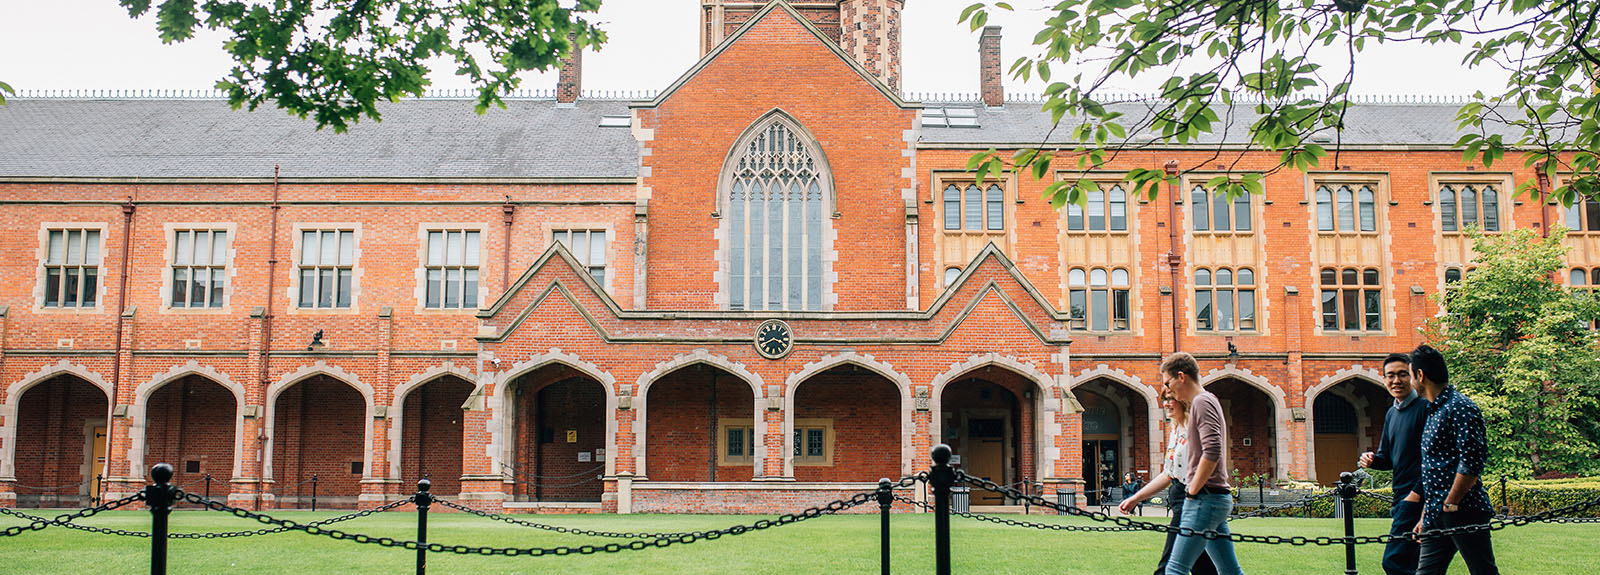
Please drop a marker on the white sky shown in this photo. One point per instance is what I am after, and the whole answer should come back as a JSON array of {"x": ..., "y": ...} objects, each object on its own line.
[{"x": 92, "y": 44}]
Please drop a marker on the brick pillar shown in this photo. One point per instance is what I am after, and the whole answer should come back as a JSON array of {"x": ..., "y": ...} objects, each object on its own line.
[
  {"x": 1299, "y": 438},
  {"x": 990, "y": 71},
  {"x": 870, "y": 33},
  {"x": 247, "y": 489},
  {"x": 482, "y": 485},
  {"x": 121, "y": 480},
  {"x": 376, "y": 485},
  {"x": 569, "y": 84},
  {"x": 8, "y": 493},
  {"x": 774, "y": 465}
]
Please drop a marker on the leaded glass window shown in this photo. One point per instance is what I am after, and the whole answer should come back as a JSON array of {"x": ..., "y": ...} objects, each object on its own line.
[{"x": 777, "y": 204}]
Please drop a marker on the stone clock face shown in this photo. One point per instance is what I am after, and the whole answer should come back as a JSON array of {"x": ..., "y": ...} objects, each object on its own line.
[{"x": 773, "y": 339}]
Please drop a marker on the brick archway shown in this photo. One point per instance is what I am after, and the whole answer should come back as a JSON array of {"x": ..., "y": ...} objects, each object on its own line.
[
  {"x": 11, "y": 408},
  {"x": 1045, "y": 429},
  {"x": 57, "y": 419},
  {"x": 697, "y": 357},
  {"x": 331, "y": 445},
  {"x": 138, "y": 413}
]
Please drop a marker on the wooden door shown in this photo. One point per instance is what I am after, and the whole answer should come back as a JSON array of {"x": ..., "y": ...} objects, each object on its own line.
[
  {"x": 97, "y": 467},
  {"x": 985, "y": 456},
  {"x": 1336, "y": 452}
]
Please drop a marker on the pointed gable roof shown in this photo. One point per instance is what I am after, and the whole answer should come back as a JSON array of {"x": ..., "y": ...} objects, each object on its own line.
[{"x": 777, "y": 7}]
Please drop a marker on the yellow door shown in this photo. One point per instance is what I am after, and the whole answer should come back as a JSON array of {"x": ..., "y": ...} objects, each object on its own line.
[
  {"x": 985, "y": 457},
  {"x": 1336, "y": 452},
  {"x": 97, "y": 469}
]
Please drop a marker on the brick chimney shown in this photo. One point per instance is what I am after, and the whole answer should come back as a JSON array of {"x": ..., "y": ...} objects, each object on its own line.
[
  {"x": 990, "y": 72},
  {"x": 870, "y": 33},
  {"x": 570, "y": 82}
]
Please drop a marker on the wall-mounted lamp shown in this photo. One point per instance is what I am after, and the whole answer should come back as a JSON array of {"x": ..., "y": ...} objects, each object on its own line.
[{"x": 316, "y": 342}]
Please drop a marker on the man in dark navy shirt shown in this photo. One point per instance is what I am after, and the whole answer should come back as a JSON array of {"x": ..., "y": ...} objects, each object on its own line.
[
  {"x": 1454, "y": 451},
  {"x": 1400, "y": 450}
]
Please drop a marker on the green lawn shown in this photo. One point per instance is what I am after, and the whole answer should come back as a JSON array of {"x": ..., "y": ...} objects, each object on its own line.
[{"x": 843, "y": 544}]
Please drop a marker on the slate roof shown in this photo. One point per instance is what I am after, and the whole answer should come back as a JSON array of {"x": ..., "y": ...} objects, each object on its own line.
[
  {"x": 443, "y": 139},
  {"x": 417, "y": 139}
]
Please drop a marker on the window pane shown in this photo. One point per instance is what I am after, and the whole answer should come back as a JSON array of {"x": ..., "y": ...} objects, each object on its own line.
[
  {"x": 1077, "y": 306},
  {"x": 1198, "y": 209},
  {"x": 1591, "y": 212},
  {"x": 597, "y": 248},
  {"x": 1224, "y": 277},
  {"x": 1202, "y": 277},
  {"x": 995, "y": 204},
  {"x": 579, "y": 246},
  {"x": 74, "y": 247},
  {"x": 1097, "y": 210},
  {"x": 598, "y": 274},
  {"x": 1330, "y": 277},
  {"x": 454, "y": 244},
  {"x": 1247, "y": 309},
  {"x": 325, "y": 289},
  {"x": 1074, "y": 217},
  {"x": 1324, "y": 209},
  {"x": 1369, "y": 210},
  {"x": 814, "y": 215},
  {"x": 57, "y": 251},
  {"x": 1347, "y": 209},
  {"x": 474, "y": 246},
  {"x": 1241, "y": 213},
  {"x": 202, "y": 248},
  {"x": 1119, "y": 209},
  {"x": 1097, "y": 277},
  {"x": 1202, "y": 306},
  {"x": 346, "y": 285},
  {"x": 91, "y": 247},
  {"x": 435, "y": 248},
  {"x": 1330, "y": 309},
  {"x": 1076, "y": 278},
  {"x": 1491, "y": 209},
  {"x": 91, "y": 286},
  {"x": 1374, "y": 307},
  {"x": 1594, "y": 276},
  {"x": 328, "y": 248},
  {"x": 974, "y": 208},
  {"x": 757, "y": 250},
  {"x": 199, "y": 284},
  {"x": 1575, "y": 217},
  {"x": 1369, "y": 277},
  {"x": 183, "y": 243},
  {"x": 469, "y": 290},
  {"x": 1119, "y": 277},
  {"x": 218, "y": 282},
  {"x": 452, "y": 288},
  {"x": 814, "y": 443},
  {"x": 69, "y": 296},
  {"x": 52, "y": 287},
  {"x": 736, "y": 243},
  {"x": 308, "y": 248},
  {"x": 1352, "y": 309},
  {"x": 775, "y": 251},
  {"x": 180, "y": 284},
  {"x": 347, "y": 248},
  {"x": 735, "y": 442},
  {"x": 798, "y": 435},
  {"x": 308, "y": 287},
  {"x": 1098, "y": 312},
  {"x": 952, "y": 208},
  {"x": 796, "y": 265},
  {"x": 950, "y": 275},
  {"x": 1348, "y": 277},
  {"x": 1219, "y": 213},
  {"x": 1119, "y": 309},
  {"x": 1469, "y": 207},
  {"x": 219, "y": 248},
  {"x": 435, "y": 289},
  {"x": 1246, "y": 277},
  {"x": 1447, "y": 209},
  {"x": 1225, "y": 309}
]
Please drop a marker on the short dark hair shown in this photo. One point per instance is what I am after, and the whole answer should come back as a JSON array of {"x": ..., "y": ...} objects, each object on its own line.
[
  {"x": 1401, "y": 357},
  {"x": 1181, "y": 362},
  {"x": 1431, "y": 363}
]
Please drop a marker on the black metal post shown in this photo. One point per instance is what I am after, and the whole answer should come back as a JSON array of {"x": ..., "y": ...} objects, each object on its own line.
[
  {"x": 1347, "y": 502},
  {"x": 99, "y": 488},
  {"x": 942, "y": 476},
  {"x": 885, "y": 500},
  {"x": 424, "y": 499},
  {"x": 208, "y": 486},
  {"x": 313, "y": 492},
  {"x": 159, "y": 497},
  {"x": 1505, "y": 497}
]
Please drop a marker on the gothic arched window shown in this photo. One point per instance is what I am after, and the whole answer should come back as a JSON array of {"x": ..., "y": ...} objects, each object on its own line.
[{"x": 778, "y": 210}]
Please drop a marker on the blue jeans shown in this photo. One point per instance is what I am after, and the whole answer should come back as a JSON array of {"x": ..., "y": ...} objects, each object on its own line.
[
  {"x": 1209, "y": 512},
  {"x": 1400, "y": 555}
]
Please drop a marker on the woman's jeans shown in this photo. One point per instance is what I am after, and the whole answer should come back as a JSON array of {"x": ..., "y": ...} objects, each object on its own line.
[
  {"x": 1202, "y": 566},
  {"x": 1209, "y": 512}
]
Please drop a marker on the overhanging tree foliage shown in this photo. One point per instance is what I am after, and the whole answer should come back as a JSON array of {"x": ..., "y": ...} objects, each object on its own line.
[
  {"x": 1521, "y": 346},
  {"x": 1263, "y": 62},
  {"x": 334, "y": 60}
]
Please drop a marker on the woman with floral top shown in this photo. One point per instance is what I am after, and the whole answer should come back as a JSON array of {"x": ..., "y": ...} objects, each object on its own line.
[{"x": 1171, "y": 478}]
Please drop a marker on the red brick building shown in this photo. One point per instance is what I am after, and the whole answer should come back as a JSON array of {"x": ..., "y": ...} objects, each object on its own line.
[{"x": 556, "y": 306}]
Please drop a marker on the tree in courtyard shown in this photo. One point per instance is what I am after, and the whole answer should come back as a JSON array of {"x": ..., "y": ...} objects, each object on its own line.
[
  {"x": 334, "y": 60},
  {"x": 1521, "y": 346},
  {"x": 1261, "y": 64}
]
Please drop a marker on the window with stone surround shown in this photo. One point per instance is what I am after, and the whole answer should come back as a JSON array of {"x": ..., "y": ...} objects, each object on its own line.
[
  {"x": 1098, "y": 299},
  {"x": 1464, "y": 205},
  {"x": 1346, "y": 208},
  {"x": 1583, "y": 216},
  {"x": 778, "y": 206},
  {"x": 736, "y": 442},
  {"x": 199, "y": 268},
  {"x": 327, "y": 268},
  {"x": 1352, "y": 300},
  {"x": 1211, "y": 212},
  {"x": 968, "y": 207},
  {"x": 813, "y": 442},
  {"x": 588, "y": 247},
  {"x": 71, "y": 271},
  {"x": 450, "y": 273},
  {"x": 1224, "y": 299},
  {"x": 1105, "y": 209}
]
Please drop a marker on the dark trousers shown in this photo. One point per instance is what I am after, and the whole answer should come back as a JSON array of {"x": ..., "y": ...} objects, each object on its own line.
[
  {"x": 1476, "y": 550},
  {"x": 1202, "y": 566},
  {"x": 1400, "y": 555}
]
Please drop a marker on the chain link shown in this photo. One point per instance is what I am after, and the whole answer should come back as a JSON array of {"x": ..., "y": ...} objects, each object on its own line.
[
  {"x": 1265, "y": 511},
  {"x": 271, "y": 530},
  {"x": 1016, "y": 522},
  {"x": 66, "y": 519}
]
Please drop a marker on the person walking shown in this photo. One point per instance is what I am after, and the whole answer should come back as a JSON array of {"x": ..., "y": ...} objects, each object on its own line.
[
  {"x": 1209, "y": 496},
  {"x": 1171, "y": 478},
  {"x": 1130, "y": 486},
  {"x": 1400, "y": 451},
  {"x": 1454, "y": 451}
]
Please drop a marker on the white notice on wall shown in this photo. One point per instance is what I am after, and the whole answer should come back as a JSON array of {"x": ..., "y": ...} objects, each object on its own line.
[
  {"x": 600, "y": 454},
  {"x": 584, "y": 456},
  {"x": 955, "y": 460}
]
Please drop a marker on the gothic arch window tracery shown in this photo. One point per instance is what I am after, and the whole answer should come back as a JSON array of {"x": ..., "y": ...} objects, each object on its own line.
[{"x": 778, "y": 207}]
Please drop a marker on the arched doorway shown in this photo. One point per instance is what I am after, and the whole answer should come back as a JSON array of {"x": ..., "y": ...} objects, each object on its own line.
[
  {"x": 559, "y": 436},
  {"x": 318, "y": 432},
  {"x": 700, "y": 426},
  {"x": 1252, "y": 417},
  {"x": 988, "y": 419},
  {"x": 845, "y": 426},
  {"x": 1116, "y": 435},
  {"x": 190, "y": 423},
  {"x": 431, "y": 434},
  {"x": 61, "y": 443},
  {"x": 1346, "y": 419}
]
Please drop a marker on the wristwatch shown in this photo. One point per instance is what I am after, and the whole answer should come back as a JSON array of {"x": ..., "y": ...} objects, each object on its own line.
[{"x": 1451, "y": 508}]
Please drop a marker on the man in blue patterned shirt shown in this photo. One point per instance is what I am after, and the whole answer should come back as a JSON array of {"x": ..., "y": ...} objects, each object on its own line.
[{"x": 1454, "y": 451}]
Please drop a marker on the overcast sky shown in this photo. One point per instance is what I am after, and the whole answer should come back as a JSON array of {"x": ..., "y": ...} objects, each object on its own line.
[{"x": 92, "y": 44}]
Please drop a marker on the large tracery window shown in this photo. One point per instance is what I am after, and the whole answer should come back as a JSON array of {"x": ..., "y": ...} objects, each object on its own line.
[{"x": 777, "y": 204}]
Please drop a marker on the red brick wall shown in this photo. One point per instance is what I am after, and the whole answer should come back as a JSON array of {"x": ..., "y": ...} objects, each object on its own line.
[
  {"x": 547, "y": 466},
  {"x": 51, "y": 439},
  {"x": 1250, "y": 415},
  {"x": 678, "y": 423},
  {"x": 431, "y": 436},
  {"x": 319, "y": 427},
  {"x": 192, "y": 419},
  {"x": 865, "y": 411}
]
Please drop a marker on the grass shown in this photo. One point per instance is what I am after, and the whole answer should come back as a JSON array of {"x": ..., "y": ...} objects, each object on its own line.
[{"x": 839, "y": 544}]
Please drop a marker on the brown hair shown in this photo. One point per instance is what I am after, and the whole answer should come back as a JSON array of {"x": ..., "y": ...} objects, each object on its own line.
[{"x": 1181, "y": 362}]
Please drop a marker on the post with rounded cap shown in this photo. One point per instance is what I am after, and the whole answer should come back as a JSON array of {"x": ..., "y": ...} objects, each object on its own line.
[
  {"x": 159, "y": 497},
  {"x": 885, "y": 500},
  {"x": 942, "y": 476},
  {"x": 423, "y": 499},
  {"x": 1347, "y": 504}
]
